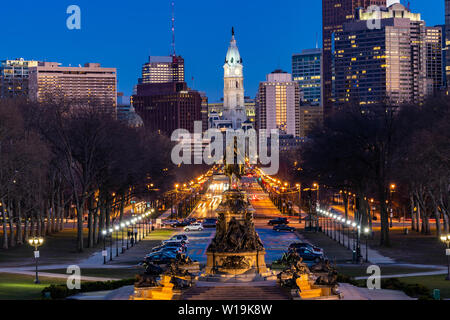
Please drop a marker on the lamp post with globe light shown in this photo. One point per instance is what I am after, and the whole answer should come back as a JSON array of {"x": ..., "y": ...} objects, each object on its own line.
[
  {"x": 446, "y": 239},
  {"x": 366, "y": 232},
  {"x": 36, "y": 242},
  {"x": 110, "y": 233},
  {"x": 104, "y": 254}
]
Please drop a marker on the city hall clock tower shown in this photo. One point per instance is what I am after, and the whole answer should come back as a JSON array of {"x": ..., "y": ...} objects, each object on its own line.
[{"x": 233, "y": 92}]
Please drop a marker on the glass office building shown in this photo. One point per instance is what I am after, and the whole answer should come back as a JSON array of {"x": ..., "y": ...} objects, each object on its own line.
[{"x": 307, "y": 71}]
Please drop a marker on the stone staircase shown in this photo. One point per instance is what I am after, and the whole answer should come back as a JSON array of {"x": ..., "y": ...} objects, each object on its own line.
[{"x": 235, "y": 293}]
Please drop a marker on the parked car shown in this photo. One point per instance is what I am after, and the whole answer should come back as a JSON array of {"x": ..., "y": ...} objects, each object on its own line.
[
  {"x": 283, "y": 227},
  {"x": 179, "y": 238},
  {"x": 194, "y": 227},
  {"x": 169, "y": 222},
  {"x": 175, "y": 246},
  {"x": 179, "y": 224},
  {"x": 161, "y": 257},
  {"x": 209, "y": 223},
  {"x": 191, "y": 220},
  {"x": 309, "y": 255},
  {"x": 278, "y": 221},
  {"x": 298, "y": 245}
]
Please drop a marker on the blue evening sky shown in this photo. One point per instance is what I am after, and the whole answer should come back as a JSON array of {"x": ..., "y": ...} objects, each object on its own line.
[{"x": 123, "y": 34}]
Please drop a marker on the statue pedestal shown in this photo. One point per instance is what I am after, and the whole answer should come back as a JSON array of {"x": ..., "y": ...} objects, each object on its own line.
[{"x": 222, "y": 263}]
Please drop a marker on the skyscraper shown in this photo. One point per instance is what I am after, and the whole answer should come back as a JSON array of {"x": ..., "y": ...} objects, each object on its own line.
[
  {"x": 14, "y": 78},
  {"x": 90, "y": 84},
  {"x": 166, "y": 107},
  {"x": 163, "y": 69},
  {"x": 400, "y": 62},
  {"x": 307, "y": 71},
  {"x": 278, "y": 102},
  {"x": 334, "y": 14},
  {"x": 447, "y": 39}
]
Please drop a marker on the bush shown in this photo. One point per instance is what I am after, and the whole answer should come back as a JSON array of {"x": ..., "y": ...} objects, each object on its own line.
[
  {"x": 412, "y": 290},
  {"x": 61, "y": 291}
]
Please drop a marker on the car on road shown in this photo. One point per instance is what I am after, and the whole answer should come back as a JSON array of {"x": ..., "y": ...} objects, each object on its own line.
[
  {"x": 298, "y": 245},
  {"x": 209, "y": 223},
  {"x": 309, "y": 255},
  {"x": 194, "y": 227},
  {"x": 283, "y": 227},
  {"x": 161, "y": 257},
  {"x": 179, "y": 238},
  {"x": 278, "y": 221},
  {"x": 174, "y": 246}
]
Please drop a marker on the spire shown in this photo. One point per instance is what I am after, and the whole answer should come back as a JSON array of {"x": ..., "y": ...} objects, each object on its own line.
[
  {"x": 232, "y": 31},
  {"x": 173, "y": 29}
]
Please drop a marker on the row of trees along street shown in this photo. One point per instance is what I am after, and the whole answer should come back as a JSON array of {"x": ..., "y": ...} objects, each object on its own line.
[
  {"x": 363, "y": 150},
  {"x": 57, "y": 159}
]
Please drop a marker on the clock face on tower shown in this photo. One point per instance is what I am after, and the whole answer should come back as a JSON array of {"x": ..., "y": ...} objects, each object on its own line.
[{"x": 237, "y": 72}]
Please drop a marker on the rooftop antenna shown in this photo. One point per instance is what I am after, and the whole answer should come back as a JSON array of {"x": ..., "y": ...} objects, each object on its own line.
[
  {"x": 317, "y": 40},
  {"x": 173, "y": 29}
]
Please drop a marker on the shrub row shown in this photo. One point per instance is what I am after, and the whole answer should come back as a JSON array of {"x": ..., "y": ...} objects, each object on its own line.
[{"x": 61, "y": 291}]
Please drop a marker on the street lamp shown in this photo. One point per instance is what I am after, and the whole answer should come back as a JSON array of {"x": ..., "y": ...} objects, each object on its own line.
[
  {"x": 104, "y": 254},
  {"x": 117, "y": 242},
  {"x": 36, "y": 242},
  {"x": 122, "y": 226},
  {"x": 111, "y": 244},
  {"x": 391, "y": 209},
  {"x": 316, "y": 186},
  {"x": 367, "y": 231},
  {"x": 446, "y": 240},
  {"x": 128, "y": 232}
]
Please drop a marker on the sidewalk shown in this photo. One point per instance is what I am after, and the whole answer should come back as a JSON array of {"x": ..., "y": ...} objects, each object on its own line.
[
  {"x": 52, "y": 275},
  {"x": 374, "y": 256},
  {"x": 351, "y": 292}
]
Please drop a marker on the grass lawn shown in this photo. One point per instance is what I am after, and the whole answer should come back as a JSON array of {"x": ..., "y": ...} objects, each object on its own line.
[
  {"x": 57, "y": 248},
  {"x": 116, "y": 273},
  {"x": 432, "y": 282},
  {"x": 60, "y": 248},
  {"x": 412, "y": 248},
  {"x": 161, "y": 234},
  {"x": 21, "y": 287}
]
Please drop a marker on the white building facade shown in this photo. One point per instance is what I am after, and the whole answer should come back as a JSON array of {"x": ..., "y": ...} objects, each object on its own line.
[{"x": 278, "y": 103}]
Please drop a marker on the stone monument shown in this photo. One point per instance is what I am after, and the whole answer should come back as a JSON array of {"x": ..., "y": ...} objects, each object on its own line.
[{"x": 236, "y": 248}]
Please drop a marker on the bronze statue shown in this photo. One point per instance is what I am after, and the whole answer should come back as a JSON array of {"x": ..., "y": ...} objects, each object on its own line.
[
  {"x": 294, "y": 269},
  {"x": 235, "y": 236},
  {"x": 149, "y": 277}
]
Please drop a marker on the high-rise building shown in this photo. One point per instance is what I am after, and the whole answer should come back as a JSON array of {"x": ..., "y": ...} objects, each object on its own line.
[
  {"x": 334, "y": 14},
  {"x": 166, "y": 107},
  {"x": 397, "y": 63},
  {"x": 447, "y": 39},
  {"x": 434, "y": 60},
  {"x": 278, "y": 102},
  {"x": 307, "y": 71},
  {"x": 163, "y": 69},
  {"x": 309, "y": 116},
  {"x": 14, "y": 76},
  {"x": 90, "y": 84}
]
